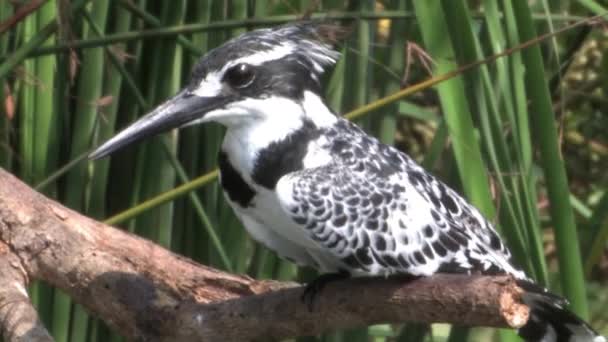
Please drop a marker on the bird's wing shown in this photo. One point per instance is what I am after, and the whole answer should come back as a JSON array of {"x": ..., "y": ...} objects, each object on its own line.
[{"x": 405, "y": 222}]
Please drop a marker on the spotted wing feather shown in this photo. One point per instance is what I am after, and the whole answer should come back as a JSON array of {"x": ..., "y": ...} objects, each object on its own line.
[{"x": 378, "y": 212}]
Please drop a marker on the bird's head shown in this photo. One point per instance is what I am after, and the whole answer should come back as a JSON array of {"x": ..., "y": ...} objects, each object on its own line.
[{"x": 249, "y": 78}]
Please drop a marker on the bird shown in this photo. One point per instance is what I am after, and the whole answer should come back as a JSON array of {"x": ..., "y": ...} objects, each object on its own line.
[{"x": 318, "y": 190}]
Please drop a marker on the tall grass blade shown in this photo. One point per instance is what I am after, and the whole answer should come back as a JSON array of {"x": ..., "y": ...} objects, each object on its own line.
[{"x": 543, "y": 127}]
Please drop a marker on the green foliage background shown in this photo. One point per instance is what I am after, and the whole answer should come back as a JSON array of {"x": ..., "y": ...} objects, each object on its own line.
[{"x": 522, "y": 137}]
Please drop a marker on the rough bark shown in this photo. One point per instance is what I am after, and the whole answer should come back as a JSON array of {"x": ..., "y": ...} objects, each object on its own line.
[
  {"x": 18, "y": 318},
  {"x": 146, "y": 292}
]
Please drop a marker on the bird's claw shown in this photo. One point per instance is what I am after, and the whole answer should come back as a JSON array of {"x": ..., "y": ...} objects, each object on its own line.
[{"x": 314, "y": 288}]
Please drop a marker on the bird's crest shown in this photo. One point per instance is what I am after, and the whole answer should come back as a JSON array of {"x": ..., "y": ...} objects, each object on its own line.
[{"x": 310, "y": 42}]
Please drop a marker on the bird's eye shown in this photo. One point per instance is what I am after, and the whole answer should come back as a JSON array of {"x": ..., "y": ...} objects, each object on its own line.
[{"x": 239, "y": 76}]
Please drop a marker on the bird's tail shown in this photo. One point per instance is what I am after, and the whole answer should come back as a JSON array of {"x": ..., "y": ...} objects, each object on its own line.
[{"x": 550, "y": 321}]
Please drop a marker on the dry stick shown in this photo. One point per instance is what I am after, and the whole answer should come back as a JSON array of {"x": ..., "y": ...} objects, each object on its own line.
[
  {"x": 22, "y": 13},
  {"x": 18, "y": 318},
  {"x": 146, "y": 292}
]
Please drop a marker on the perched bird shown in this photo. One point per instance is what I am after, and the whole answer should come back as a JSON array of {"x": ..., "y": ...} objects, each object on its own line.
[{"x": 318, "y": 190}]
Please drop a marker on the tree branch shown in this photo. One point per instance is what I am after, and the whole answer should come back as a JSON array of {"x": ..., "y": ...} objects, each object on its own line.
[
  {"x": 146, "y": 292},
  {"x": 18, "y": 318}
]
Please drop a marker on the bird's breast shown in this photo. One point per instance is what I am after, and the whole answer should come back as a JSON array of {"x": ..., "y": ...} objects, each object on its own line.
[{"x": 233, "y": 183}]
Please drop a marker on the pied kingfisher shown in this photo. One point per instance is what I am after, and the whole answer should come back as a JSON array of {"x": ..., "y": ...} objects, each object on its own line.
[{"x": 318, "y": 190}]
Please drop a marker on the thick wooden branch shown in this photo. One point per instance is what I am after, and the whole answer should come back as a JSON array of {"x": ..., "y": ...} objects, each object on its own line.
[
  {"x": 18, "y": 318},
  {"x": 279, "y": 314},
  {"x": 144, "y": 291}
]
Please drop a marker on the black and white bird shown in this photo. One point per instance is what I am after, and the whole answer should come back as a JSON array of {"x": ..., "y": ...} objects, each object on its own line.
[{"x": 318, "y": 190}]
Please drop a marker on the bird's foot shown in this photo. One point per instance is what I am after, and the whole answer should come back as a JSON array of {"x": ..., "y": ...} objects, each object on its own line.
[{"x": 315, "y": 287}]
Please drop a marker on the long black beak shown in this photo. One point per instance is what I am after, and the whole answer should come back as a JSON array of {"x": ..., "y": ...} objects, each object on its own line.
[{"x": 175, "y": 112}]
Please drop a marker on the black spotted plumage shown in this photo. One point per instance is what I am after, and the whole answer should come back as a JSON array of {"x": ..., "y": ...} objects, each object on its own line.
[{"x": 391, "y": 199}]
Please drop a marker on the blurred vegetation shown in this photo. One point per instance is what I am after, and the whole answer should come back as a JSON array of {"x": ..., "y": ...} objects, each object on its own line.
[{"x": 522, "y": 137}]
